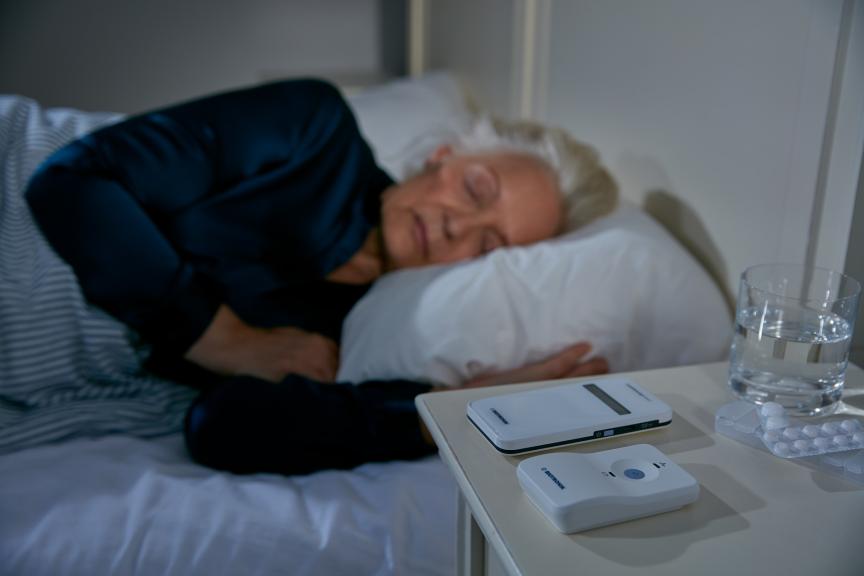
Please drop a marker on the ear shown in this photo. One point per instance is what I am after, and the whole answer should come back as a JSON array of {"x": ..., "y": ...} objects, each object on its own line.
[{"x": 438, "y": 155}]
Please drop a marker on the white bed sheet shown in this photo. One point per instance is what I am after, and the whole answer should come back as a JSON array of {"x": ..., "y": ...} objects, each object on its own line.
[{"x": 121, "y": 505}]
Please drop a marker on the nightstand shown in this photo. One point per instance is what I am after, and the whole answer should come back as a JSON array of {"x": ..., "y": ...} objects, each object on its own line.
[{"x": 756, "y": 514}]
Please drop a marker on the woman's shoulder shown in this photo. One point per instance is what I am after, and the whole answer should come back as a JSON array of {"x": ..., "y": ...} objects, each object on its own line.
[{"x": 321, "y": 92}]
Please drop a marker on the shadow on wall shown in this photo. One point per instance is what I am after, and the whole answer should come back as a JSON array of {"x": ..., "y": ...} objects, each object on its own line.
[
  {"x": 685, "y": 225},
  {"x": 643, "y": 176}
]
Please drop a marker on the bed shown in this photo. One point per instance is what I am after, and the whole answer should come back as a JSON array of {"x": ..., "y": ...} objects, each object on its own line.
[{"x": 115, "y": 502}]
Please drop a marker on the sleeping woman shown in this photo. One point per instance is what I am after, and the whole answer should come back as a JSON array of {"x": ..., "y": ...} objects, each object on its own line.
[{"x": 234, "y": 233}]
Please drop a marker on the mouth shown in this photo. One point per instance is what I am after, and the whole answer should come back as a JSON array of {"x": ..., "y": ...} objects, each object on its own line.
[{"x": 420, "y": 235}]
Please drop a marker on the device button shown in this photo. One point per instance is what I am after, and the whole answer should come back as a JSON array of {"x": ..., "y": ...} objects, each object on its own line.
[
  {"x": 632, "y": 469},
  {"x": 634, "y": 473}
]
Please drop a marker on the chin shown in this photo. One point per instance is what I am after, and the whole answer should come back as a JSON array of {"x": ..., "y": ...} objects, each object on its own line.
[{"x": 396, "y": 262}]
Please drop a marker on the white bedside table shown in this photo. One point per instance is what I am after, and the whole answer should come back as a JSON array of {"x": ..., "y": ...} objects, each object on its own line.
[{"x": 757, "y": 514}]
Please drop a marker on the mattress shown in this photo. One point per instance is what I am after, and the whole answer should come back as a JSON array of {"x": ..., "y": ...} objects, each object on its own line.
[{"x": 123, "y": 505}]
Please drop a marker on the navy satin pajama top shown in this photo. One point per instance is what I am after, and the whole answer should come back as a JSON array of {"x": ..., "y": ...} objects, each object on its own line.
[{"x": 247, "y": 198}]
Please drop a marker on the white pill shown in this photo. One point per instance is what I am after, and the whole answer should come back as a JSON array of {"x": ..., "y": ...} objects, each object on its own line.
[
  {"x": 822, "y": 443},
  {"x": 792, "y": 433},
  {"x": 811, "y": 431},
  {"x": 829, "y": 428},
  {"x": 775, "y": 422},
  {"x": 781, "y": 448},
  {"x": 858, "y": 437},
  {"x": 841, "y": 440},
  {"x": 801, "y": 445},
  {"x": 771, "y": 436},
  {"x": 770, "y": 409},
  {"x": 850, "y": 425}
]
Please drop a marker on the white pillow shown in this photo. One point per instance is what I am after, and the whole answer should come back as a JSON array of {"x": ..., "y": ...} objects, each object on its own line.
[
  {"x": 622, "y": 283},
  {"x": 404, "y": 120}
]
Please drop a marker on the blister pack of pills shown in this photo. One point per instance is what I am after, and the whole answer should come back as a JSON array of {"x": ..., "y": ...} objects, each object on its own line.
[
  {"x": 836, "y": 446},
  {"x": 790, "y": 438}
]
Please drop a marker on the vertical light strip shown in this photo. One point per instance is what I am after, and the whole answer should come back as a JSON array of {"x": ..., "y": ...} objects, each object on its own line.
[
  {"x": 542, "y": 47},
  {"x": 528, "y": 37},
  {"x": 843, "y": 38},
  {"x": 417, "y": 26}
]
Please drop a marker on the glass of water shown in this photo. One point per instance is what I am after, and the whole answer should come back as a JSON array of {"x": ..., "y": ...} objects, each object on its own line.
[{"x": 793, "y": 329}]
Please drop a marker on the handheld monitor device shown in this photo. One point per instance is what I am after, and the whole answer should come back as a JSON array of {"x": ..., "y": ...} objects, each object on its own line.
[
  {"x": 581, "y": 491},
  {"x": 575, "y": 412}
]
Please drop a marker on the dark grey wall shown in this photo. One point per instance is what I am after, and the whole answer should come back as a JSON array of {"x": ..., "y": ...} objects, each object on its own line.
[{"x": 130, "y": 55}]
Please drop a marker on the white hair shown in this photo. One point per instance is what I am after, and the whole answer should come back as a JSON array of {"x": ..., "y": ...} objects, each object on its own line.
[{"x": 587, "y": 188}]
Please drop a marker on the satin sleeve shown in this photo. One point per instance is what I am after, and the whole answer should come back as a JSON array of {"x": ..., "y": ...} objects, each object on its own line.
[
  {"x": 104, "y": 201},
  {"x": 246, "y": 425}
]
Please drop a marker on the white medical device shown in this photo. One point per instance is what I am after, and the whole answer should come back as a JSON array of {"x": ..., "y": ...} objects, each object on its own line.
[
  {"x": 581, "y": 491},
  {"x": 575, "y": 412}
]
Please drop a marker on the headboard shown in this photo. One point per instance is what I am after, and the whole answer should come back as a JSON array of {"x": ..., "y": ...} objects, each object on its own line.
[{"x": 736, "y": 125}]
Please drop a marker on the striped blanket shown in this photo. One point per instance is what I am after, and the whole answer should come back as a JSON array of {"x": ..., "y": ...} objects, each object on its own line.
[{"x": 67, "y": 369}]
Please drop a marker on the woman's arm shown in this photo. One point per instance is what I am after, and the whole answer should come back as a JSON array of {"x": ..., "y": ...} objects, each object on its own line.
[
  {"x": 298, "y": 426},
  {"x": 122, "y": 260},
  {"x": 229, "y": 346},
  {"x": 106, "y": 201}
]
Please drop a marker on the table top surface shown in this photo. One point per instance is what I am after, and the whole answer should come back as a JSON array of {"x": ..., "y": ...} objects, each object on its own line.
[{"x": 756, "y": 513}]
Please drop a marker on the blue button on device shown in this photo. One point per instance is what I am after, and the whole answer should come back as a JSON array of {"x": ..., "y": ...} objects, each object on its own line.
[{"x": 634, "y": 473}]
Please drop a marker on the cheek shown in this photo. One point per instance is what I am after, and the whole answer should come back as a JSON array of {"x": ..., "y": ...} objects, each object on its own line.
[
  {"x": 447, "y": 187},
  {"x": 536, "y": 219},
  {"x": 466, "y": 249},
  {"x": 397, "y": 242},
  {"x": 390, "y": 225}
]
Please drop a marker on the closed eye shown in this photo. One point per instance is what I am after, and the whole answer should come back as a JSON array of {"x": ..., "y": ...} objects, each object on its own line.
[{"x": 481, "y": 185}]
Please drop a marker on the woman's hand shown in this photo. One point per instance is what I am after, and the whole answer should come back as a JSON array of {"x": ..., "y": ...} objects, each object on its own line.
[
  {"x": 569, "y": 363},
  {"x": 230, "y": 346}
]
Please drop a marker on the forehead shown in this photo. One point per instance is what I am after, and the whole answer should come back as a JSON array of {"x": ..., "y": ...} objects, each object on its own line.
[{"x": 516, "y": 163}]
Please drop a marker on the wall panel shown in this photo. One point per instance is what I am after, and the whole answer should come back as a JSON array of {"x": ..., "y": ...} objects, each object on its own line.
[{"x": 128, "y": 56}]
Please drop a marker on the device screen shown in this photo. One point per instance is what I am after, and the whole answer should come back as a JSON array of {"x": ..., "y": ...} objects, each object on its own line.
[{"x": 604, "y": 397}]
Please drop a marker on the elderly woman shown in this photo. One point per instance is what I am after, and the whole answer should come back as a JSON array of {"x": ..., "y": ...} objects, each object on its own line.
[{"x": 235, "y": 232}]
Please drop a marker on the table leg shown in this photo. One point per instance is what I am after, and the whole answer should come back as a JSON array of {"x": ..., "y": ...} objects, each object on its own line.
[{"x": 470, "y": 545}]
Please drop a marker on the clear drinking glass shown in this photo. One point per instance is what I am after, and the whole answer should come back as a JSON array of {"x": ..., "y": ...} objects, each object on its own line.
[{"x": 793, "y": 329}]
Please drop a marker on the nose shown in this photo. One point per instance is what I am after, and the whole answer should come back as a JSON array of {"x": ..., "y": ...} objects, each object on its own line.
[{"x": 461, "y": 225}]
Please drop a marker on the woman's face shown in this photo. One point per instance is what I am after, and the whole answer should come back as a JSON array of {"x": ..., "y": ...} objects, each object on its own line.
[{"x": 463, "y": 206}]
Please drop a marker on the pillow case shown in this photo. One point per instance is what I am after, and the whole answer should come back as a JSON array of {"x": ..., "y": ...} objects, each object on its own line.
[
  {"x": 622, "y": 283},
  {"x": 404, "y": 120}
]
